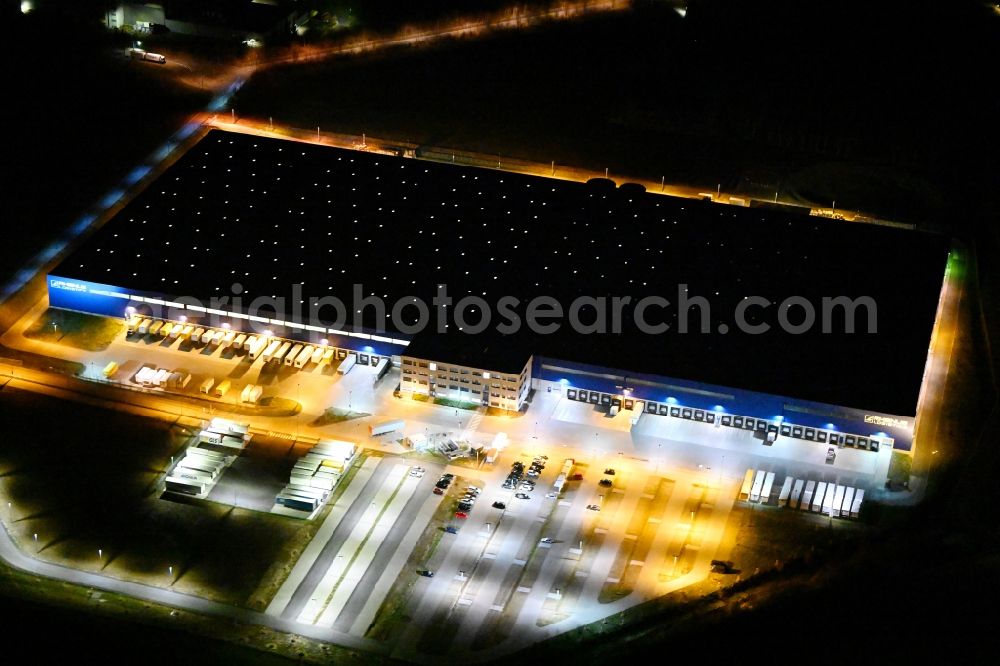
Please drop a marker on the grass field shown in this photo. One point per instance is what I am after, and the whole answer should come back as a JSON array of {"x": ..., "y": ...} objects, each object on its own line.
[
  {"x": 89, "y": 490},
  {"x": 83, "y": 331}
]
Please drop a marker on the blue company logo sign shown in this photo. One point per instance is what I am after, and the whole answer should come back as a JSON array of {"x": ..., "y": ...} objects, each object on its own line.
[{"x": 68, "y": 286}]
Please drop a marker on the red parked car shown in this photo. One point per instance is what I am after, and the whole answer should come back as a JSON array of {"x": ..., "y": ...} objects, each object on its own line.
[{"x": 461, "y": 514}]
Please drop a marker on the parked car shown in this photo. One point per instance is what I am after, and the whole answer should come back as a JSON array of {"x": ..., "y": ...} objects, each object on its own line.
[
  {"x": 426, "y": 573},
  {"x": 461, "y": 514},
  {"x": 451, "y": 529},
  {"x": 438, "y": 491},
  {"x": 593, "y": 507},
  {"x": 610, "y": 471},
  {"x": 546, "y": 539},
  {"x": 576, "y": 477},
  {"x": 499, "y": 505},
  {"x": 522, "y": 496},
  {"x": 831, "y": 455},
  {"x": 605, "y": 482},
  {"x": 417, "y": 471}
]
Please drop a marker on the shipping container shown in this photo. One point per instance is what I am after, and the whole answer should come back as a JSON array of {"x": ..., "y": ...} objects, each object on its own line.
[
  {"x": 386, "y": 427},
  {"x": 200, "y": 465},
  {"x": 225, "y": 425},
  {"x": 758, "y": 485},
  {"x": 160, "y": 378},
  {"x": 807, "y": 495},
  {"x": 817, "y": 503},
  {"x": 859, "y": 495},
  {"x": 289, "y": 358},
  {"x": 279, "y": 356},
  {"x": 831, "y": 491},
  {"x": 796, "y": 493},
  {"x": 299, "y": 503},
  {"x": 765, "y": 493},
  {"x": 255, "y": 394},
  {"x": 838, "y": 499},
  {"x": 346, "y": 365},
  {"x": 272, "y": 349},
  {"x": 185, "y": 486},
  {"x": 210, "y": 437},
  {"x": 786, "y": 489},
  {"x": 845, "y": 506},
  {"x": 205, "y": 453},
  {"x": 304, "y": 357},
  {"x": 747, "y": 485}
]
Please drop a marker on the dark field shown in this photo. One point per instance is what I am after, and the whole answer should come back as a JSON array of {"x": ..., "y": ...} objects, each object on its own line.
[
  {"x": 90, "y": 483},
  {"x": 80, "y": 119},
  {"x": 761, "y": 97}
]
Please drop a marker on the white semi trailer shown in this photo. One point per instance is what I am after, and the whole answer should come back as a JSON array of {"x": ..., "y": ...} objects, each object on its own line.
[
  {"x": 845, "y": 506},
  {"x": 786, "y": 489},
  {"x": 386, "y": 427},
  {"x": 758, "y": 485},
  {"x": 807, "y": 495},
  {"x": 304, "y": 357},
  {"x": 765, "y": 493},
  {"x": 856, "y": 505},
  {"x": 292, "y": 354},
  {"x": 346, "y": 365},
  {"x": 279, "y": 355},
  {"x": 747, "y": 485},
  {"x": 821, "y": 490},
  {"x": 797, "y": 493}
]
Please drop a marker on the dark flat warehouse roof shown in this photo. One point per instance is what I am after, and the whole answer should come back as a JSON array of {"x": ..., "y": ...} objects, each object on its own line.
[{"x": 268, "y": 213}]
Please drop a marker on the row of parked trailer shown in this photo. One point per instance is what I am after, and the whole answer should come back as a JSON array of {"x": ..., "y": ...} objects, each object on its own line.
[
  {"x": 197, "y": 471},
  {"x": 223, "y": 432},
  {"x": 269, "y": 349},
  {"x": 832, "y": 499},
  {"x": 158, "y": 377},
  {"x": 315, "y": 475}
]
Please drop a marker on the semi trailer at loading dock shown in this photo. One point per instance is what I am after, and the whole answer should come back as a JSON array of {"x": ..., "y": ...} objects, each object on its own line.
[
  {"x": 765, "y": 492},
  {"x": 279, "y": 355},
  {"x": 346, "y": 365},
  {"x": 807, "y": 495},
  {"x": 289, "y": 358},
  {"x": 797, "y": 493},
  {"x": 304, "y": 357}
]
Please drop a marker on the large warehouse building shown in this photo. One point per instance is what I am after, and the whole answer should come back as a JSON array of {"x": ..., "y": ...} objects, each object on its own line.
[{"x": 657, "y": 301}]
